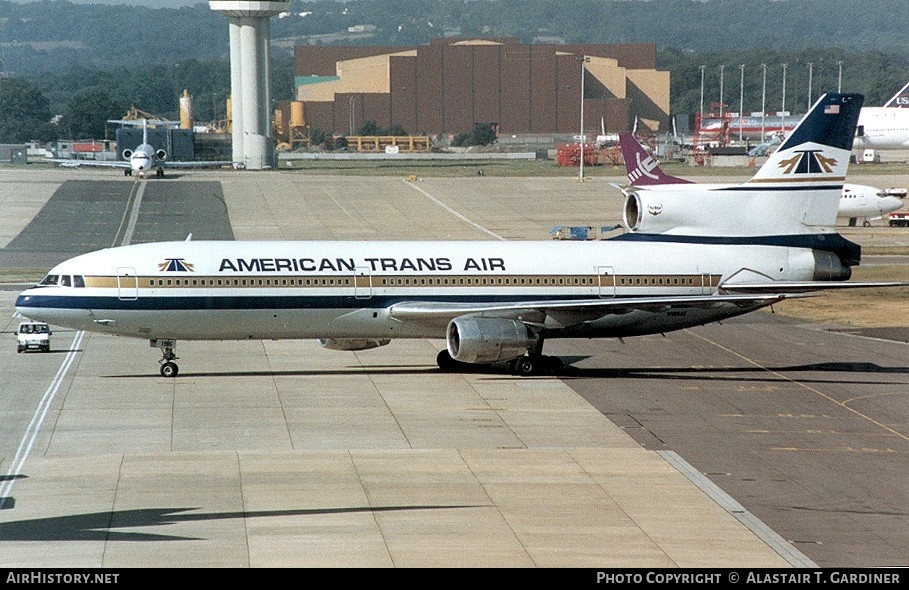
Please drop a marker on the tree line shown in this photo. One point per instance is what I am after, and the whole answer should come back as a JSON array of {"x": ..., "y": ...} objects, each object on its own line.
[{"x": 64, "y": 73}]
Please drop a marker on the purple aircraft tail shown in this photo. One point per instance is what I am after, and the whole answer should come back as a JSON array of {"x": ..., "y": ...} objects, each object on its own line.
[{"x": 640, "y": 166}]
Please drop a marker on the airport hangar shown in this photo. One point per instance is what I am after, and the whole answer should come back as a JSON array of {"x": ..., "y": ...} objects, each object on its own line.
[{"x": 443, "y": 88}]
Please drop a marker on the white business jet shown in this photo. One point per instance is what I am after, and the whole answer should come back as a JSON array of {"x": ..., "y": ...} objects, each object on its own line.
[
  {"x": 856, "y": 201},
  {"x": 690, "y": 258}
]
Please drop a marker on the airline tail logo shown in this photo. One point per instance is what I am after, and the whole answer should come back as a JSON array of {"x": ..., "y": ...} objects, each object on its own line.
[
  {"x": 808, "y": 162},
  {"x": 643, "y": 168},
  {"x": 176, "y": 265}
]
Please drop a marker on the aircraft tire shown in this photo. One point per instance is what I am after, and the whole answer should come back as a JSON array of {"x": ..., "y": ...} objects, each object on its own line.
[
  {"x": 530, "y": 365},
  {"x": 446, "y": 363},
  {"x": 526, "y": 366},
  {"x": 169, "y": 369}
]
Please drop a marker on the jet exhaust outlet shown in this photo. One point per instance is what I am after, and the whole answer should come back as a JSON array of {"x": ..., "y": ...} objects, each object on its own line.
[
  {"x": 828, "y": 267},
  {"x": 487, "y": 340},
  {"x": 631, "y": 213}
]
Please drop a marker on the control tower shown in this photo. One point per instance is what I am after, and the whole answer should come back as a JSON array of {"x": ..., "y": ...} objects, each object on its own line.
[{"x": 250, "y": 35}]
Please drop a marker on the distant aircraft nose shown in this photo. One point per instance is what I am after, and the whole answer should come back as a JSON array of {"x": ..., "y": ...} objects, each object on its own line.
[{"x": 893, "y": 203}]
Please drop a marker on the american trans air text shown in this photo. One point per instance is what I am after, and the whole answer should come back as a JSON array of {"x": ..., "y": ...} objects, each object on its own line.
[{"x": 351, "y": 265}]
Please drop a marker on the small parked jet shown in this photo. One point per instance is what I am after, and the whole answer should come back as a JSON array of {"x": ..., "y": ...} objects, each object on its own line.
[{"x": 691, "y": 257}]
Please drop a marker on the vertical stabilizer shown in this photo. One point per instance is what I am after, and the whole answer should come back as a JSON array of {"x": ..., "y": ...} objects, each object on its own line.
[
  {"x": 817, "y": 150},
  {"x": 900, "y": 100},
  {"x": 640, "y": 166}
]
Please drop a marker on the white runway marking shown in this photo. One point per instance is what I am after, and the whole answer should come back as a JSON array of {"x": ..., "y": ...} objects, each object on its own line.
[
  {"x": 31, "y": 433},
  {"x": 455, "y": 213}
]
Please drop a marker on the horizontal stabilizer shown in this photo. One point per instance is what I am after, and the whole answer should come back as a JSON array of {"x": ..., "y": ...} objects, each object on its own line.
[{"x": 805, "y": 286}]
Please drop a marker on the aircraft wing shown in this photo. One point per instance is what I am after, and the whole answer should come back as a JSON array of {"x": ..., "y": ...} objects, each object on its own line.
[
  {"x": 197, "y": 164},
  {"x": 575, "y": 311},
  {"x": 73, "y": 163},
  {"x": 804, "y": 287}
]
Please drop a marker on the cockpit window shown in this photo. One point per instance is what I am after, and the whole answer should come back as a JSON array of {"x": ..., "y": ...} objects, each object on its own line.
[
  {"x": 66, "y": 281},
  {"x": 50, "y": 280},
  {"x": 78, "y": 281}
]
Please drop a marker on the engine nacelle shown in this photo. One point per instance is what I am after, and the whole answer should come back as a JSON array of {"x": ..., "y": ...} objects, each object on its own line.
[
  {"x": 829, "y": 267},
  {"x": 161, "y": 154},
  {"x": 487, "y": 340},
  {"x": 352, "y": 343},
  {"x": 127, "y": 154},
  {"x": 658, "y": 212}
]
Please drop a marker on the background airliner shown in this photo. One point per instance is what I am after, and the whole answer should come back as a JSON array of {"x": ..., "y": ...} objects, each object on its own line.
[
  {"x": 886, "y": 127},
  {"x": 857, "y": 200},
  {"x": 689, "y": 258},
  {"x": 142, "y": 159}
]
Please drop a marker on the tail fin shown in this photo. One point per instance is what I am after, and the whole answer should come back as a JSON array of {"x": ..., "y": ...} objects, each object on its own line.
[
  {"x": 900, "y": 100},
  {"x": 640, "y": 166},
  {"x": 144, "y": 130},
  {"x": 817, "y": 150}
]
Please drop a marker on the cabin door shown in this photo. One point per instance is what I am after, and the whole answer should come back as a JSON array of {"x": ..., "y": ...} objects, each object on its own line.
[
  {"x": 127, "y": 284},
  {"x": 362, "y": 282},
  {"x": 606, "y": 281}
]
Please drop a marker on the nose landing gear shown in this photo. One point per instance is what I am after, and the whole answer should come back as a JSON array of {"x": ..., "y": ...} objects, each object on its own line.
[{"x": 168, "y": 356}]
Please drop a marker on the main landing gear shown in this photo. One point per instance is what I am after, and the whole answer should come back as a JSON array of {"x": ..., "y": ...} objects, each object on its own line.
[
  {"x": 525, "y": 366},
  {"x": 168, "y": 356}
]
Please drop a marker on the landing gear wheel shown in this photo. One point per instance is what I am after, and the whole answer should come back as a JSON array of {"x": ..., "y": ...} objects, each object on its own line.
[
  {"x": 446, "y": 363},
  {"x": 866, "y": 223},
  {"x": 127, "y": 172},
  {"x": 537, "y": 364},
  {"x": 168, "y": 356},
  {"x": 527, "y": 365},
  {"x": 169, "y": 369},
  {"x": 159, "y": 172}
]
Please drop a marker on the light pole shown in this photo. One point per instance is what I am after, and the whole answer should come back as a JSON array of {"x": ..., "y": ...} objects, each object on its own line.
[
  {"x": 810, "y": 75},
  {"x": 783, "y": 111},
  {"x": 839, "y": 76},
  {"x": 701, "y": 111},
  {"x": 584, "y": 60},
  {"x": 721, "y": 89},
  {"x": 741, "y": 98},
  {"x": 763, "y": 98}
]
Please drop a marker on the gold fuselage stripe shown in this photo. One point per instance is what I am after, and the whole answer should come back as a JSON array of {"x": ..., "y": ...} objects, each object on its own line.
[{"x": 419, "y": 281}]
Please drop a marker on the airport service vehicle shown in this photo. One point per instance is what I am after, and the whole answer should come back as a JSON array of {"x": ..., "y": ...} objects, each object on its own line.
[
  {"x": 691, "y": 255},
  {"x": 898, "y": 219},
  {"x": 33, "y": 336}
]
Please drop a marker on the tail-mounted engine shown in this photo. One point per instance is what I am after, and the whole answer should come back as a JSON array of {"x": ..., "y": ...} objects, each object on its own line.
[
  {"x": 658, "y": 212},
  {"x": 487, "y": 340}
]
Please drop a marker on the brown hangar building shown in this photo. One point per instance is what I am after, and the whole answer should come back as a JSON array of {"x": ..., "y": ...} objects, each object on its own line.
[{"x": 443, "y": 88}]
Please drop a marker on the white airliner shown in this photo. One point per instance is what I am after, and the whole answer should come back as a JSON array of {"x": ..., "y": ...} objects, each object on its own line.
[
  {"x": 857, "y": 200},
  {"x": 680, "y": 265},
  {"x": 886, "y": 127},
  {"x": 142, "y": 159}
]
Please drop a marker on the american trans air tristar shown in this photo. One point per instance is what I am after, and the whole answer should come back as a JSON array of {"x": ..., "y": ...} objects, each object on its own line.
[{"x": 689, "y": 258}]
